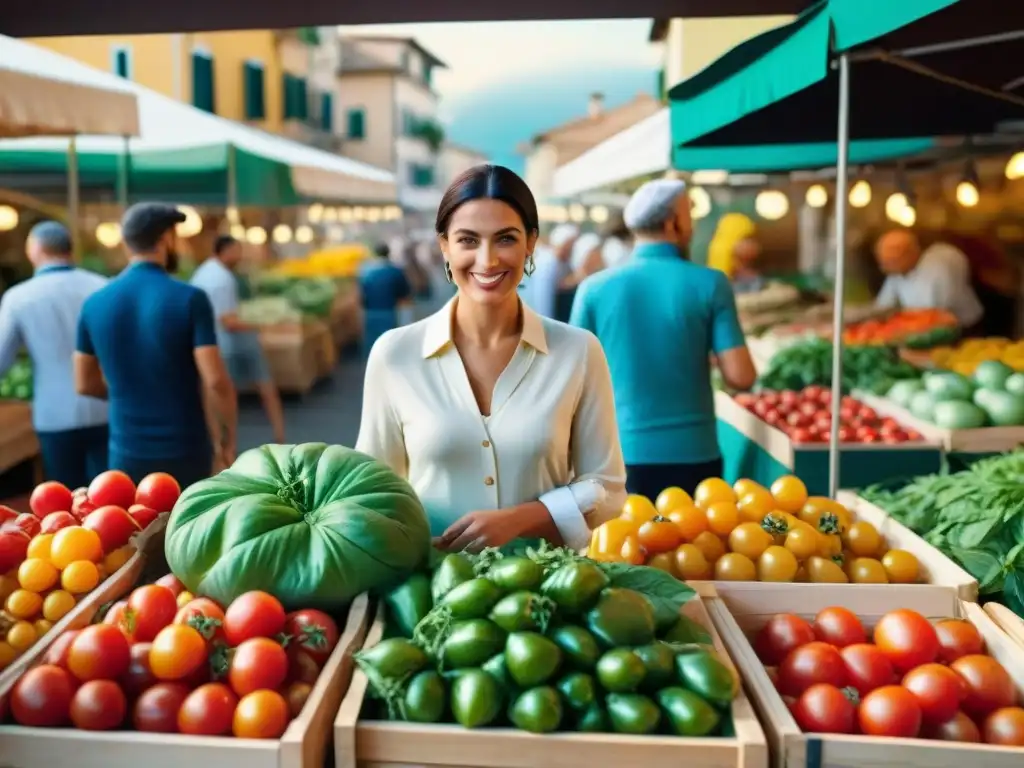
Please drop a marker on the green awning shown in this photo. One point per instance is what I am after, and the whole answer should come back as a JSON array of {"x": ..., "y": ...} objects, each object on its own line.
[
  {"x": 771, "y": 158},
  {"x": 861, "y": 21}
]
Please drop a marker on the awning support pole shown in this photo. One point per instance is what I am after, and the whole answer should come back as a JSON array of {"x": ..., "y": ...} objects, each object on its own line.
[
  {"x": 123, "y": 173},
  {"x": 232, "y": 189},
  {"x": 73, "y": 198},
  {"x": 842, "y": 184}
]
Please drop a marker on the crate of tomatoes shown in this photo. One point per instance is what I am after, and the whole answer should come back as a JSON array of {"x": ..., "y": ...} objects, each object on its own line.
[{"x": 878, "y": 680}]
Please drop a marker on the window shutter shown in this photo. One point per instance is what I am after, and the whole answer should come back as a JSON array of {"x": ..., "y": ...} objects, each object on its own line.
[
  {"x": 296, "y": 99},
  {"x": 255, "y": 92},
  {"x": 121, "y": 67},
  {"x": 203, "y": 87},
  {"x": 327, "y": 112},
  {"x": 356, "y": 124}
]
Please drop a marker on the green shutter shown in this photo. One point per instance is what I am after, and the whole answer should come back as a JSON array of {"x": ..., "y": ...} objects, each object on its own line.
[
  {"x": 428, "y": 75},
  {"x": 660, "y": 87},
  {"x": 121, "y": 63},
  {"x": 296, "y": 98},
  {"x": 421, "y": 175},
  {"x": 356, "y": 124},
  {"x": 327, "y": 112},
  {"x": 255, "y": 97},
  {"x": 203, "y": 91}
]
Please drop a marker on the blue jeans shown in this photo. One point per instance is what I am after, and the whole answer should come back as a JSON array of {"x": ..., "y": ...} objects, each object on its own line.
[
  {"x": 74, "y": 456},
  {"x": 186, "y": 471}
]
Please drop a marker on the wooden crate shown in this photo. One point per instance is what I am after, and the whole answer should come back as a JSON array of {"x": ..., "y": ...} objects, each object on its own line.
[
  {"x": 304, "y": 745},
  {"x": 790, "y": 747},
  {"x": 18, "y": 441},
  {"x": 1008, "y": 621},
  {"x": 383, "y": 744},
  {"x": 754, "y": 449},
  {"x": 292, "y": 356}
]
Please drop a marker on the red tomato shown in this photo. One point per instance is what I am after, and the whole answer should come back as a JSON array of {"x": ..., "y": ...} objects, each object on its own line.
[
  {"x": 99, "y": 652},
  {"x": 156, "y": 709},
  {"x": 98, "y": 705},
  {"x": 54, "y": 521},
  {"x": 867, "y": 414},
  {"x": 938, "y": 690},
  {"x": 839, "y": 627},
  {"x": 158, "y": 491},
  {"x": 153, "y": 608},
  {"x": 745, "y": 399},
  {"x": 49, "y": 497},
  {"x": 257, "y": 663},
  {"x": 82, "y": 506},
  {"x": 57, "y": 653},
  {"x": 823, "y": 708},
  {"x": 13, "y": 546},
  {"x": 314, "y": 632},
  {"x": 254, "y": 614},
  {"x": 142, "y": 515},
  {"x": 989, "y": 687},
  {"x": 113, "y": 525},
  {"x": 7, "y": 514},
  {"x": 772, "y": 417},
  {"x": 177, "y": 652},
  {"x": 957, "y": 638},
  {"x": 139, "y": 675},
  {"x": 302, "y": 668},
  {"x": 810, "y": 410},
  {"x": 112, "y": 487},
  {"x": 797, "y": 420},
  {"x": 296, "y": 695},
  {"x": 119, "y": 616},
  {"x": 959, "y": 728},
  {"x": 907, "y": 638},
  {"x": 1005, "y": 727},
  {"x": 208, "y": 711},
  {"x": 204, "y": 615},
  {"x": 780, "y": 635},
  {"x": 42, "y": 697},
  {"x": 30, "y": 524},
  {"x": 172, "y": 583},
  {"x": 845, "y": 434},
  {"x": 800, "y": 435},
  {"x": 261, "y": 715},
  {"x": 890, "y": 711},
  {"x": 868, "y": 668},
  {"x": 815, "y": 662}
]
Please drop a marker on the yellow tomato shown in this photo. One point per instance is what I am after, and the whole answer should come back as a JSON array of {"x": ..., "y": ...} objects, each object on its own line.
[
  {"x": 710, "y": 545},
  {"x": 821, "y": 570},
  {"x": 186, "y": 597},
  {"x": 818, "y": 506},
  {"x": 21, "y": 636},
  {"x": 118, "y": 557},
  {"x": 801, "y": 575},
  {"x": 749, "y": 539},
  {"x": 670, "y": 499},
  {"x": 862, "y": 539},
  {"x": 37, "y": 575},
  {"x": 57, "y": 604},
  {"x": 901, "y": 566},
  {"x": 829, "y": 544},
  {"x": 73, "y": 544},
  {"x": 803, "y": 542},
  {"x": 39, "y": 547},
  {"x": 776, "y": 524},
  {"x": 638, "y": 509},
  {"x": 7, "y": 655},
  {"x": 777, "y": 564},
  {"x": 7, "y": 585},
  {"x": 723, "y": 517},
  {"x": 690, "y": 563},
  {"x": 733, "y": 566},
  {"x": 712, "y": 491},
  {"x": 690, "y": 521},
  {"x": 867, "y": 570},
  {"x": 744, "y": 486},
  {"x": 790, "y": 493},
  {"x": 80, "y": 577},
  {"x": 663, "y": 561},
  {"x": 755, "y": 505},
  {"x": 42, "y": 626},
  {"x": 22, "y": 604}
]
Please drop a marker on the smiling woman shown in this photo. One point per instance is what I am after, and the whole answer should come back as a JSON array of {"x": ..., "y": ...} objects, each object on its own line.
[{"x": 502, "y": 421}]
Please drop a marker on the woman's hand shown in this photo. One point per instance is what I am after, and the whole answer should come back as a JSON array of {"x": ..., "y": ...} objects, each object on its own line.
[{"x": 493, "y": 528}]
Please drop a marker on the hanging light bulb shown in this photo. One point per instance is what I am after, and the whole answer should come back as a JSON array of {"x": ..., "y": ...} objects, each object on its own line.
[
  {"x": 315, "y": 213},
  {"x": 599, "y": 214},
  {"x": 577, "y": 213},
  {"x": 330, "y": 215},
  {"x": 304, "y": 234},
  {"x": 700, "y": 202},
  {"x": 231, "y": 213},
  {"x": 860, "y": 194},
  {"x": 108, "y": 234},
  {"x": 373, "y": 215},
  {"x": 8, "y": 218},
  {"x": 967, "y": 194},
  {"x": 345, "y": 215},
  {"x": 771, "y": 204},
  {"x": 238, "y": 232},
  {"x": 335, "y": 234},
  {"x": 817, "y": 196},
  {"x": 256, "y": 235},
  {"x": 193, "y": 223},
  {"x": 1015, "y": 167},
  {"x": 282, "y": 234},
  {"x": 895, "y": 204},
  {"x": 907, "y": 217}
]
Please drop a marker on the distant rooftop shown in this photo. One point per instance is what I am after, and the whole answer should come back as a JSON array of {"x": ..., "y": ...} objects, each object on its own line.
[{"x": 356, "y": 58}]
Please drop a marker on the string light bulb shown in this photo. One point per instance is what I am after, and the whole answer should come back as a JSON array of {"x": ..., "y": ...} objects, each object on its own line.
[
  {"x": 860, "y": 194},
  {"x": 817, "y": 196},
  {"x": 771, "y": 204},
  {"x": 967, "y": 194}
]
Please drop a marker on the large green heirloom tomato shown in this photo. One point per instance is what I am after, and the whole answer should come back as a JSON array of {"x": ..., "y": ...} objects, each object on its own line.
[{"x": 312, "y": 524}]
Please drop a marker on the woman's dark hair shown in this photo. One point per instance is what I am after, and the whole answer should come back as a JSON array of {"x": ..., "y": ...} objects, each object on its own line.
[{"x": 488, "y": 182}]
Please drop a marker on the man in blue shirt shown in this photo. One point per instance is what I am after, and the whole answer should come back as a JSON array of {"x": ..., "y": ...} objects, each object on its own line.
[
  {"x": 385, "y": 289},
  {"x": 148, "y": 343},
  {"x": 660, "y": 318},
  {"x": 41, "y": 315}
]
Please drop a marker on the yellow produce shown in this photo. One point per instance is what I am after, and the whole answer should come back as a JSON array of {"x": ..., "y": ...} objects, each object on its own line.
[
  {"x": 690, "y": 521},
  {"x": 749, "y": 539},
  {"x": 777, "y": 564},
  {"x": 42, "y": 626},
  {"x": 821, "y": 570},
  {"x": 712, "y": 546},
  {"x": 22, "y": 604},
  {"x": 690, "y": 563},
  {"x": 965, "y": 357},
  {"x": 638, "y": 509},
  {"x": 75, "y": 543},
  {"x": 803, "y": 542},
  {"x": 712, "y": 491},
  {"x": 80, "y": 577},
  {"x": 862, "y": 539},
  {"x": 901, "y": 567},
  {"x": 755, "y": 505},
  {"x": 7, "y": 654},
  {"x": 830, "y": 545},
  {"x": 37, "y": 575},
  {"x": 744, "y": 486},
  {"x": 867, "y": 570},
  {"x": 21, "y": 636},
  {"x": 117, "y": 558},
  {"x": 671, "y": 499},
  {"x": 790, "y": 493},
  {"x": 723, "y": 516},
  {"x": 39, "y": 547},
  {"x": 57, "y": 605},
  {"x": 733, "y": 566}
]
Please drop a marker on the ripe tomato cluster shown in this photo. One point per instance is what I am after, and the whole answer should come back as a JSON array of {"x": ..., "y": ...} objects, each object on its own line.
[
  {"x": 165, "y": 661},
  {"x": 806, "y": 417},
  {"x": 908, "y": 679}
]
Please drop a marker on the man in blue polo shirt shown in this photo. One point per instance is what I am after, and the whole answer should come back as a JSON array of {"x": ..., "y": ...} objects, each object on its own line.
[
  {"x": 147, "y": 342},
  {"x": 660, "y": 318},
  {"x": 385, "y": 289},
  {"x": 41, "y": 315}
]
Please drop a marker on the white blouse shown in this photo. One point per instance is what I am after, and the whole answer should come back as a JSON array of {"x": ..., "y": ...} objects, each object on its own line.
[{"x": 551, "y": 435}]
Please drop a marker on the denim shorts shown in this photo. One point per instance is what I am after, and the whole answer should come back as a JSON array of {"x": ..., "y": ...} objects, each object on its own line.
[{"x": 247, "y": 367}]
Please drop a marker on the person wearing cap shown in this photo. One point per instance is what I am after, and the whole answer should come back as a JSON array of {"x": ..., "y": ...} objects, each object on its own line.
[
  {"x": 41, "y": 315},
  {"x": 148, "y": 344},
  {"x": 239, "y": 341},
  {"x": 551, "y": 268},
  {"x": 660, "y": 319}
]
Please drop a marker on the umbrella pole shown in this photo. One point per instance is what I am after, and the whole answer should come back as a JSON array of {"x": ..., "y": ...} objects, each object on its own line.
[
  {"x": 842, "y": 182},
  {"x": 122, "y": 174},
  {"x": 73, "y": 198}
]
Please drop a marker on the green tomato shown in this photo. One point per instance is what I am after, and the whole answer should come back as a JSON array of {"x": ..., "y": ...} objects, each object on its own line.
[
  {"x": 476, "y": 699},
  {"x": 538, "y": 710},
  {"x": 703, "y": 673},
  {"x": 516, "y": 574},
  {"x": 632, "y": 713},
  {"x": 577, "y": 645},
  {"x": 686, "y": 630},
  {"x": 408, "y": 603},
  {"x": 451, "y": 572},
  {"x": 688, "y": 714},
  {"x": 660, "y": 663},
  {"x": 498, "y": 669},
  {"x": 620, "y": 671},
  {"x": 593, "y": 720},
  {"x": 425, "y": 698},
  {"x": 523, "y": 612},
  {"x": 472, "y": 599},
  {"x": 621, "y": 617},
  {"x": 392, "y": 659},
  {"x": 531, "y": 658},
  {"x": 471, "y": 643},
  {"x": 575, "y": 587},
  {"x": 578, "y": 689}
]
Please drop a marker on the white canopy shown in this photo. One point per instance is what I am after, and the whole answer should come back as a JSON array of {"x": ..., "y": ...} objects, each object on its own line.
[
  {"x": 168, "y": 125},
  {"x": 643, "y": 148}
]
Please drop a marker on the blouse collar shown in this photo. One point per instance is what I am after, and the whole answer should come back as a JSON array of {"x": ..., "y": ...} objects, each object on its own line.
[{"x": 438, "y": 334}]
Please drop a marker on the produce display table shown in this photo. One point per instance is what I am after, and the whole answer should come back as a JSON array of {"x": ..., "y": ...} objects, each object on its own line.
[
  {"x": 18, "y": 441},
  {"x": 753, "y": 449},
  {"x": 297, "y": 355}
]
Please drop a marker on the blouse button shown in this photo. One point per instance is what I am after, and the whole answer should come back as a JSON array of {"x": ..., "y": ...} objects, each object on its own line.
[
  {"x": 486, "y": 443},
  {"x": 488, "y": 481}
]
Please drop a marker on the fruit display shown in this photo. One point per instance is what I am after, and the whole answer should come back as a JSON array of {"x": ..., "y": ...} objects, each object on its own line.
[
  {"x": 322, "y": 525},
  {"x": 916, "y": 328},
  {"x": 165, "y": 661},
  {"x": 544, "y": 640},
  {"x": 906, "y": 677},
  {"x": 746, "y": 532},
  {"x": 809, "y": 362},
  {"x": 993, "y": 396},
  {"x": 17, "y": 383},
  {"x": 71, "y": 541},
  {"x": 806, "y": 416},
  {"x": 965, "y": 357},
  {"x": 774, "y": 295}
]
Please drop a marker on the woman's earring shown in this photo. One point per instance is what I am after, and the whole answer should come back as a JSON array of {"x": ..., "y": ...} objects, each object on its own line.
[
  {"x": 530, "y": 267},
  {"x": 448, "y": 272}
]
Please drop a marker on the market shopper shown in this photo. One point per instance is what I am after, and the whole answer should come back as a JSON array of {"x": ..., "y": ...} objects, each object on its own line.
[
  {"x": 502, "y": 421},
  {"x": 618, "y": 241},
  {"x": 239, "y": 341},
  {"x": 385, "y": 290},
  {"x": 41, "y": 315},
  {"x": 551, "y": 268},
  {"x": 147, "y": 343},
  {"x": 660, "y": 318}
]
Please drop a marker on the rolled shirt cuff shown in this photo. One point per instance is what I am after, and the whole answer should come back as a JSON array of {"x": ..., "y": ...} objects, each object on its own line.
[{"x": 568, "y": 517}]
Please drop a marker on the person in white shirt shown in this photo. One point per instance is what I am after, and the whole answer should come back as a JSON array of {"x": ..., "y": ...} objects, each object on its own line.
[
  {"x": 938, "y": 277},
  {"x": 502, "y": 421}
]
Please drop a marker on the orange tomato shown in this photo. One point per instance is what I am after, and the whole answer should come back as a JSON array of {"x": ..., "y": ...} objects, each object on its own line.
[
  {"x": 632, "y": 552},
  {"x": 722, "y": 517},
  {"x": 659, "y": 535},
  {"x": 790, "y": 493},
  {"x": 755, "y": 504},
  {"x": 638, "y": 509},
  {"x": 671, "y": 499},
  {"x": 177, "y": 651},
  {"x": 607, "y": 540},
  {"x": 690, "y": 521},
  {"x": 75, "y": 543}
]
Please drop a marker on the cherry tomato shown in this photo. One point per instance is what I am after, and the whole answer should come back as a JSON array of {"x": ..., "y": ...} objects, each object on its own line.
[
  {"x": 314, "y": 632},
  {"x": 783, "y": 633},
  {"x": 638, "y": 510},
  {"x": 42, "y": 697},
  {"x": 156, "y": 709},
  {"x": 113, "y": 525},
  {"x": 99, "y": 652},
  {"x": 172, "y": 583},
  {"x": 1005, "y": 727},
  {"x": 119, "y": 616},
  {"x": 98, "y": 705},
  {"x": 204, "y": 615},
  {"x": 112, "y": 487},
  {"x": 158, "y": 491},
  {"x": 839, "y": 627},
  {"x": 957, "y": 638},
  {"x": 690, "y": 521},
  {"x": 890, "y": 711},
  {"x": 296, "y": 695},
  {"x": 54, "y": 521},
  {"x": 57, "y": 653},
  {"x": 261, "y": 715},
  {"x": 139, "y": 675},
  {"x": 49, "y": 497},
  {"x": 254, "y": 614},
  {"x": 302, "y": 668},
  {"x": 989, "y": 687},
  {"x": 938, "y": 690},
  {"x": 823, "y": 708},
  {"x": 177, "y": 652},
  {"x": 659, "y": 535},
  {"x": 153, "y": 608},
  {"x": 207, "y": 711},
  {"x": 30, "y": 524},
  {"x": 959, "y": 728},
  {"x": 907, "y": 638},
  {"x": 868, "y": 668},
  {"x": 257, "y": 663},
  {"x": 13, "y": 546},
  {"x": 815, "y": 662},
  {"x": 142, "y": 515}
]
